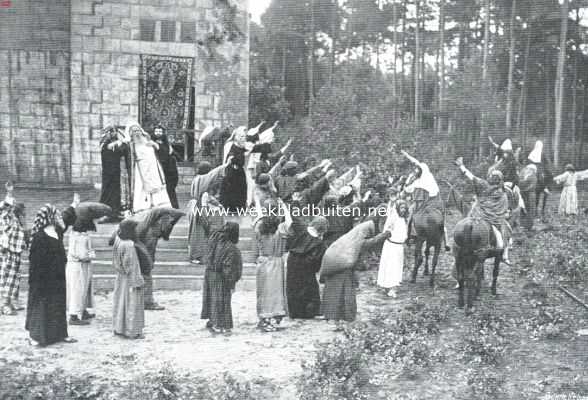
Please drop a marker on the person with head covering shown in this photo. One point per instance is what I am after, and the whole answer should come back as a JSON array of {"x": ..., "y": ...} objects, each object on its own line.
[
  {"x": 167, "y": 160},
  {"x": 308, "y": 197},
  {"x": 392, "y": 257},
  {"x": 78, "y": 271},
  {"x": 224, "y": 267},
  {"x": 202, "y": 221},
  {"x": 206, "y": 179},
  {"x": 271, "y": 235},
  {"x": 13, "y": 242},
  {"x": 46, "y": 311},
  {"x": 538, "y": 158},
  {"x": 264, "y": 191},
  {"x": 338, "y": 263},
  {"x": 568, "y": 201},
  {"x": 506, "y": 162},
  {"x": 233, "y": 194},
  {"x": 305, "y": 252},
  {"x": 128, "y": 315},
  {"x": 149, "y": 185},
  {"x": 491, "y": 205},
  {"x": 115, "y": 190},
  {"x": 423, "y": 190}
]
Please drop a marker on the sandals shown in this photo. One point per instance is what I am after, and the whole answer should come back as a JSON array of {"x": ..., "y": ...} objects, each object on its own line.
[{"x": 69, "y": 340}]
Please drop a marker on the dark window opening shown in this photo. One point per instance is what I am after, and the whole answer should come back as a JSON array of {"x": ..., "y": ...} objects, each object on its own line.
[
  {"x": 168, "y": 31},
  {"x": 188, "y": 34},
  {"x": 147, "y": 28}
]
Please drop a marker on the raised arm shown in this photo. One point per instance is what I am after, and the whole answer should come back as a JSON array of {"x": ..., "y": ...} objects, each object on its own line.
[
  {"x": 411, "y": 158},
  {"x": 581, "y": 175},
  {"x": 463, "y": 169},
  {"x": 493, "y": 143},
  {"x": 277, "y": 169}
]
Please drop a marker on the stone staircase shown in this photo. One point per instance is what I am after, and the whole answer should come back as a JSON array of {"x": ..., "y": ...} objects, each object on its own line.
[{"x": 173, "y": 270}]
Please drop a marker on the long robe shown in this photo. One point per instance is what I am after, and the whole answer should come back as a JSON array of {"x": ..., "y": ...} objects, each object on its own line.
[
  {"x": 272, "y": 300},
  {"x": 169, "y": 166},
  {"x": 128, "y": 318},
  {"x": 305, "y": 253},
  {"x": 149, "y": 186},
  {"x": 392, "y": 258},
  {"x": 338, "y": 263},
  {"x": 46, "y": 311},
  {"x": 223, "y": 270},
  {"x": 233, "y": 194},
  {"x": 152, "y": 225},
  {"x": 198, "y": 222},
  {"x": 78, "y": 273},
  {"x": 568, "y": 201},
  {"x": 114, "y": 191}
]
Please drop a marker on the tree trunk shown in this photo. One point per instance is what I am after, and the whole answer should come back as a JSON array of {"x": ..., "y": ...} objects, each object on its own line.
[
  {"x": 334, "y": 36},
  {"x": 417, "y": 83},
  {"x": 441, "y": 66},
  {"x": 577, "y": 54},
  {"x": 284, "y": 50},
  {"x": 395, "y": 50},
  {"x": 559, "y": 86},
  {"x": 485, "y": 86},
  {"x": 511, "y": 62},
  {"x": 311, "y": 62},
  {"x": 524, "y": 91},
  {"x": 402, "y": 52},
  {"x": 580, "y": 153}
]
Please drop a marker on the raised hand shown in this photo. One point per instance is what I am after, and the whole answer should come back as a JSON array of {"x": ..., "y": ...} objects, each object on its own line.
[
  {"x": 9, "y": 186},
  {"x": 459, "y": 161},
  {"x": 330, "y": 174}
]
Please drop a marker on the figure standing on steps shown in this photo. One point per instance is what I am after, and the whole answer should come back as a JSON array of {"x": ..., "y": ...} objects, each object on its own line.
[
  {"x": 167, "y": 160},
  {"x": 149, "y": 186},
  {"x": 116, "y": 173},
  {"x": 206, "y": 179}
]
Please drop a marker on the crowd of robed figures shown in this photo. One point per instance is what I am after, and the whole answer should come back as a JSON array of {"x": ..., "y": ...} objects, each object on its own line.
[{"x": 291, "y": 251}]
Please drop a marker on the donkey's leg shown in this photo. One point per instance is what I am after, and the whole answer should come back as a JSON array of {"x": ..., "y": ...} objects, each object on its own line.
[
  {"x": 418, "y": 258},
  {"x": 436, "y": 251},
  {"x": 427, "y": 254},
  {"x": 459, "y": 267},
  {"x": 495, "y": 273},
  {"x": 471, "y": 278}
]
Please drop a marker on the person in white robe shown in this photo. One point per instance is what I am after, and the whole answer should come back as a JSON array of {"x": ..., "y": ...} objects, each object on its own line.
[
  {"x": 149, "y": 189},
  {"x": 392, "y": 258}
]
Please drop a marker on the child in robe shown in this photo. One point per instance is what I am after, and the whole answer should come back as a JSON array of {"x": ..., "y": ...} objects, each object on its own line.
[{"x": 128, "y": 318}]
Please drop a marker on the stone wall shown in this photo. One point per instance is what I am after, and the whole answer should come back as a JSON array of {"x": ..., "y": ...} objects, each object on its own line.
[
  {"x": 107, "y": 39},
  {"x": 34, "y": 92},
  {"x": 73, "y": 67}
]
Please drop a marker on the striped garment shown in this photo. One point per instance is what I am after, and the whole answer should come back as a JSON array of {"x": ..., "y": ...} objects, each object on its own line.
[{"x": 9, "y": 277}]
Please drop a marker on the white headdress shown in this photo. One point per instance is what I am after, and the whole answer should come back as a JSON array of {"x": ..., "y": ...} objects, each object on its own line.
[
  {"x": 535, "y": 155},
  {"x": 506, "y": 145}
]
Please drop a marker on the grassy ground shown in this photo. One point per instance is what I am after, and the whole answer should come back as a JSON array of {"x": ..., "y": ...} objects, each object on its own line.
[{"x": 521, "y": 344}]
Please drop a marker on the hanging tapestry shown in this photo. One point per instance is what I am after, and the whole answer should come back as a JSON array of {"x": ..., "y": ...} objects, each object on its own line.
[{"x": 166, "y": 92}]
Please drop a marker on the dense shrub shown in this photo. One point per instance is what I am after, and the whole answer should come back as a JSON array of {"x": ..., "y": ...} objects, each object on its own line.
[{"x": 338, "y": 371}]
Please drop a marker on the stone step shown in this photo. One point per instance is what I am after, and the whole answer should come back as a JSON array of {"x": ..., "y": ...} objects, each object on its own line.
[
  {"x": 175, "y": 242},
  {"x": 160, "y": 268},
  {"x": 163, "y": 282},
  {"x": 163, "y": 254},
  {"x": 179, "y": 230}
]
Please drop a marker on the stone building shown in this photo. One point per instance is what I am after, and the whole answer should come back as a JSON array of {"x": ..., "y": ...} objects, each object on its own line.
[{"x": 72, "y": 67}]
